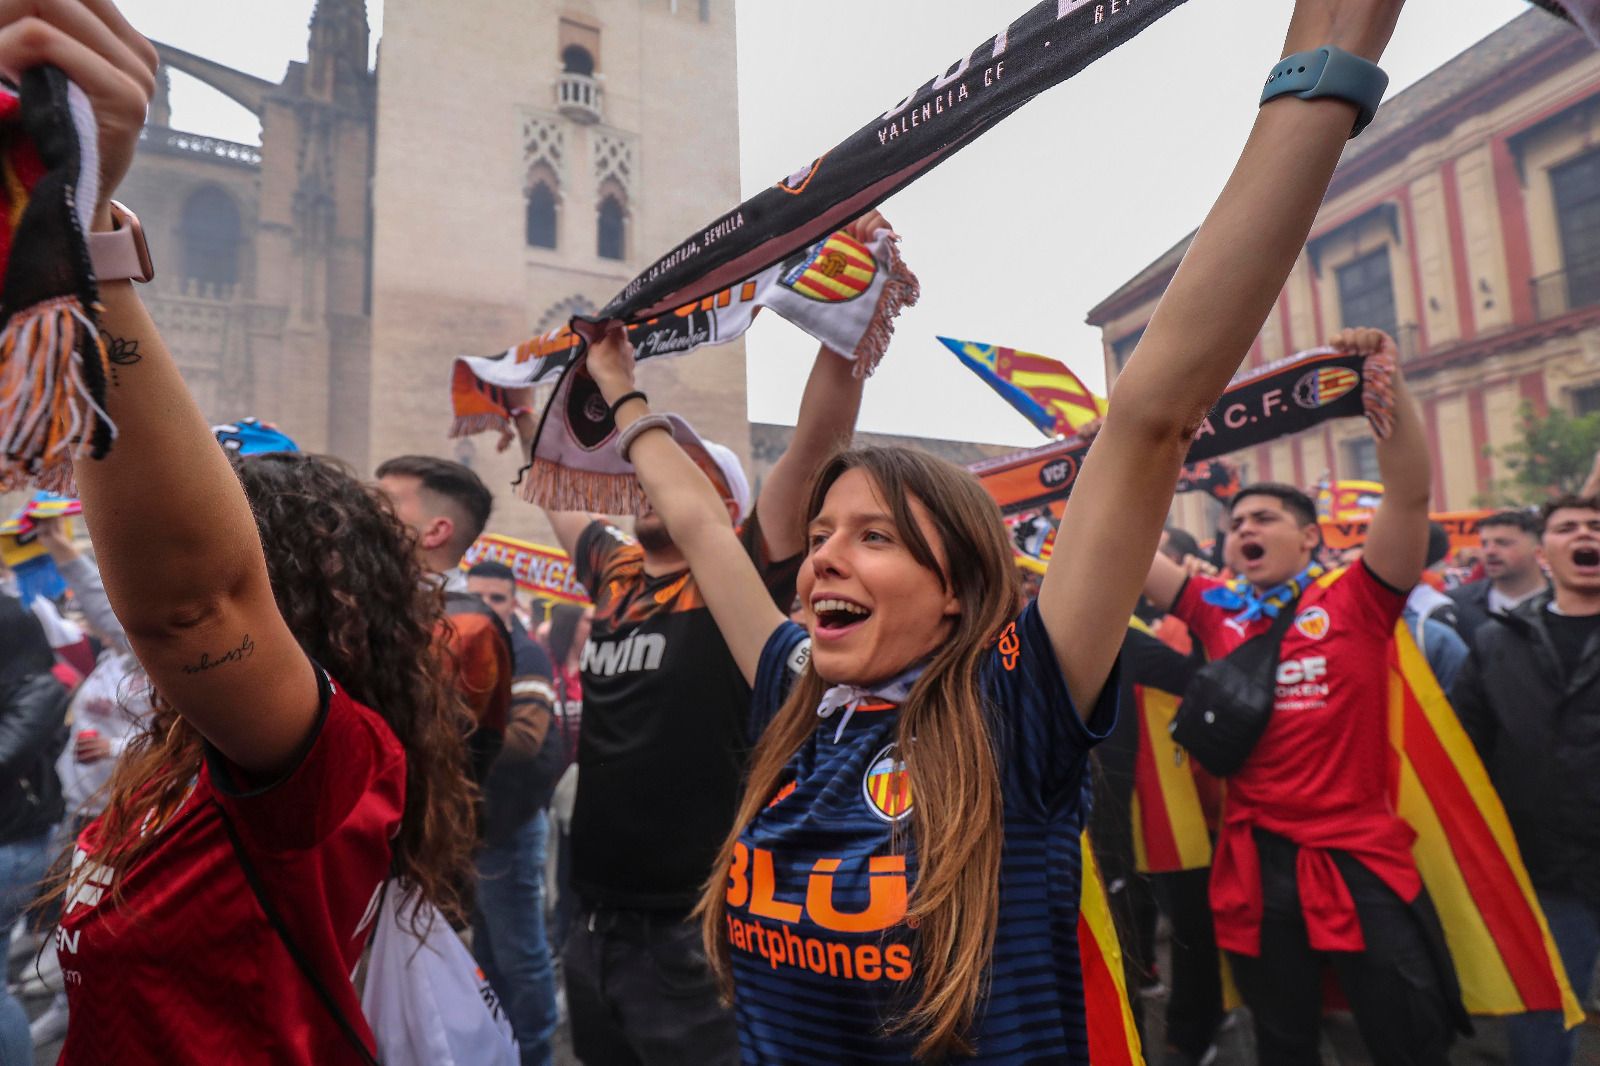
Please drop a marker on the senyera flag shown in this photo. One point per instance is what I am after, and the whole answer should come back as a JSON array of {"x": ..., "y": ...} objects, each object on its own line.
[
  {"x": 1043, "y": 390},
  {"x": 1274, "y": 401},
  {"x": 1504, "y": 956},
  {"x": 545, "y": 572},
  {"x": 1170, "y": 833},
  {"x": 1113, "y": 1034}
]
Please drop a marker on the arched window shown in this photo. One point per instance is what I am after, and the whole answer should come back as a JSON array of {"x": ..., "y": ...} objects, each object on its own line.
[
  {"x": 613, "y": 229},
  {"x": 541, "y": 216},
  {"x": 576, "y": 59},
  {"x": 211, "y": 236}
]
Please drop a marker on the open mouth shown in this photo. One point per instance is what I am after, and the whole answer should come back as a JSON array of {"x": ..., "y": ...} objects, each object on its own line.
[
  {"x": 835, "y": 616},
  {"x": 1252, "y": 552},
  {"x": 1586, "y": 556}
]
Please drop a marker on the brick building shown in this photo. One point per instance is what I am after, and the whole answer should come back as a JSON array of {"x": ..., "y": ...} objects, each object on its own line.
[
  {"x": 510, "y": 162},
  {"x": 1466, "y": 220}
]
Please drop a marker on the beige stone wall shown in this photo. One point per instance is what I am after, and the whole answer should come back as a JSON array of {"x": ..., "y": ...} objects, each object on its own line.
[
  {"x": 462, "y": 92},
  {"x": 203, "y": 325}
]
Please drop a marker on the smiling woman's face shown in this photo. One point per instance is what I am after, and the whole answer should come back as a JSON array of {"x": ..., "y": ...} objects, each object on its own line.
[{"x": 874, "y": 609}]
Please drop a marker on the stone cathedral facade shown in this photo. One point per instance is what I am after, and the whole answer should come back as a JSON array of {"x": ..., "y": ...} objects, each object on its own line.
[{"x": 508, "y": 163}]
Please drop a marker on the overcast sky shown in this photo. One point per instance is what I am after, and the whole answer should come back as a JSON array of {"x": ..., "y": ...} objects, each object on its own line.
[{"x": 1017, "y": 236}]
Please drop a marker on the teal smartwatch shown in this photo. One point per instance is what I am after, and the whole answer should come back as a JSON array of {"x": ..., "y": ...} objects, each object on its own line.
[{"x": 1330, "y": 71}]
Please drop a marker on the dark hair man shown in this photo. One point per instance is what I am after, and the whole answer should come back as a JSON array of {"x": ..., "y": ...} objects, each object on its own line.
[
  {"x": 1178, "y": 544},
  {"x": 1431, "y": 615},
  {"x": 509, "y": 934},
  {"x": 1511, "y": 569},
  {"x": 1312, "y": 866},
  {"x": 447, "y": 506},
  {"x": 663, "y": 741},
  {"x": 1530, "y": 699}
]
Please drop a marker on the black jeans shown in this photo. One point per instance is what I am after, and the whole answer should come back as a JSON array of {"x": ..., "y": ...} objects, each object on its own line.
[
  {"x": 1194, "y": 1007},
  {"x": 640, "y": 993},
  {"x": 1395, "y": 990}
]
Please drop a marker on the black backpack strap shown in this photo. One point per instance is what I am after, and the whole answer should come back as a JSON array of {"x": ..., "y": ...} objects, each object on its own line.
[{"x": 276, "y": 921}]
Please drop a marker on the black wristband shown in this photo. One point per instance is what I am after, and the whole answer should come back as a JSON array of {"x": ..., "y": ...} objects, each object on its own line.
[{"x": 624, "y": 398}]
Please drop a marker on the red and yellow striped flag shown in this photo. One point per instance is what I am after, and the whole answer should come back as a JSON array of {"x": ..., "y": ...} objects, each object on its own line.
[
  {"x": 1048, "y": 394},
  {"x": 1169, "y": 825},
  {"x": 1465, "y": 850},
  {"x": 1113, "y": 1036}
]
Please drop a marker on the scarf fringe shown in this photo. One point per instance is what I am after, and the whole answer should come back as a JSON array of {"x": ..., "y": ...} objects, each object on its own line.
[
  {"x": 901, "y": 290},
  {"x": 564, "y": 488},
  {"x": 1377, "y": 394},
  {"x": 471, "y": 425},
  {"x": 53, "y": 372}
]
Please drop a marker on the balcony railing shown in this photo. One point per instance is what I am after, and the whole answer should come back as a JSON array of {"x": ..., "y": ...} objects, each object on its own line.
[
  {"x": 578, "y": 97},
  {"x": 178, "y": 141},
  {"x": 1566, "y": 290}
]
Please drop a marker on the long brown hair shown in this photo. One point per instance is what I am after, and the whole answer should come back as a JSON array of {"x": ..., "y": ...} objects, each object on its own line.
[
  {"x": 954, "y": 774},
  {"x": 346, "y": 578}
]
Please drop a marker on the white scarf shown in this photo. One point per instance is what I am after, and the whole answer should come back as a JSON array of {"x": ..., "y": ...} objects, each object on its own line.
[{"x": 849, "y": 697}]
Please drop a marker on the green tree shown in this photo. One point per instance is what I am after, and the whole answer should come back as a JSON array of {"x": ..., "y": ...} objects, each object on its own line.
[{"x": 1555, "y": 455}]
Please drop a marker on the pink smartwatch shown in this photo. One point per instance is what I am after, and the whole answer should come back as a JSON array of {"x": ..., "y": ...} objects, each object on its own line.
[{"x": 121, "y": 253}]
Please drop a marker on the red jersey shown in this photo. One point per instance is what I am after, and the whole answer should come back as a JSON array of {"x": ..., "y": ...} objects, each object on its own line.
[
  {"x": 184, "y": 968},
  {"x": 1319, "y": 775}
]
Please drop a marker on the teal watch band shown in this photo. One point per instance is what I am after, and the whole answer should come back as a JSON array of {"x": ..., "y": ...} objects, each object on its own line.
[{"x": 1330, "y": 71}]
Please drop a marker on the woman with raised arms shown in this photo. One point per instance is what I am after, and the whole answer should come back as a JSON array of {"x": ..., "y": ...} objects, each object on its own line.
[
  {"x": 304, "y": 727},
  {"x": 902, "y": 880}
]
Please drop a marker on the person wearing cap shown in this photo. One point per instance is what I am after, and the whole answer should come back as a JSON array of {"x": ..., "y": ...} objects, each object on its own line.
[{"x": 662, "y": 742}]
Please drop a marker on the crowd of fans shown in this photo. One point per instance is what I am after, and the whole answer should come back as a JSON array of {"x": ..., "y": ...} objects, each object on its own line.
[{"x": 279, "y": 717}]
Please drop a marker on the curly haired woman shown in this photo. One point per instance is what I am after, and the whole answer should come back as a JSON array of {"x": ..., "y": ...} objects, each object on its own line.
[{"x": 303, "y": 724}]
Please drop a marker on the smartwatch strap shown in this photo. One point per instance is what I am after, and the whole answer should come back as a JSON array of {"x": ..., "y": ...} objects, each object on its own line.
[
  {"x": 120, "y": 253},
  {"x": 1330, "y": 72}
]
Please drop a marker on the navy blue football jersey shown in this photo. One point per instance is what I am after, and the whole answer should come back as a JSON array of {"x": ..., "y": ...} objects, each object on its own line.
[{"x": 822, "y": 956}]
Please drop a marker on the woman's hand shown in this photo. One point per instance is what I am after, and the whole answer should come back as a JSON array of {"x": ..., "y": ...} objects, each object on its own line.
[
  {"x": 610, "y": 363},
  {"x": 1360, "y": 27},
  {"x": 103, "y": 55}
]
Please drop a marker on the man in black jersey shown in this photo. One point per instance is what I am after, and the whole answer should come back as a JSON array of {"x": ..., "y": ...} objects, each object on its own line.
[
  {"x": 1530, "y": 698},
  {"x": 662, "y": 746}
]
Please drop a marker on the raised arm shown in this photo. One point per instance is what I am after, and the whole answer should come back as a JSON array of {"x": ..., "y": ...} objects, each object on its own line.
[
  {"x": 1397, "y": 543},
  {"x": 177, "y": 544},
  {"x": 827, "y": 420},
  {"x": 83, "y": 578},
  {"x": 1164, "y": 582},
  {"x": 694, "y": 514},
  {"x": 1591, "y": 484},
  {"x": 1204, "y": 325}
]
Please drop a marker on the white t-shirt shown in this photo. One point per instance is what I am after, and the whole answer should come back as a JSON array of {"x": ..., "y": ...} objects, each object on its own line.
[{"x": 113, "y": 700}]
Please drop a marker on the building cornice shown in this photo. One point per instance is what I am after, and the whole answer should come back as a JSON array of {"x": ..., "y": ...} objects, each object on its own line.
[{"x": 1483, "y": 347}]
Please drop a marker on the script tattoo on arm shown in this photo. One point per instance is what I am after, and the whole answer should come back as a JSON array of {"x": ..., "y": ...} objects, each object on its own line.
[{"x": 246, "y": 648}]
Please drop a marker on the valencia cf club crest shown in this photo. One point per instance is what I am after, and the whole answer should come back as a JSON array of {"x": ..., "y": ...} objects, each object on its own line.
[
  {"x": 1313, "y": 622},
  {"x": 796, "y": 183},
  {"x": 836, "y": 270},
  {"x": 1321, "y": 387},
  {"x": 887, "y": 786},
  {"x": 1059, "y": 473}
]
